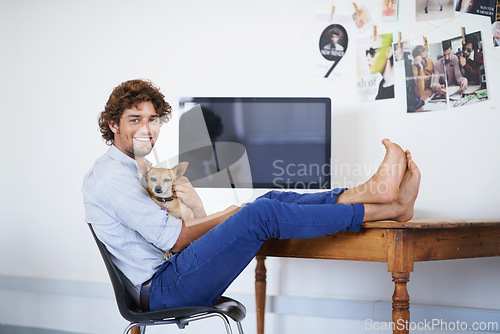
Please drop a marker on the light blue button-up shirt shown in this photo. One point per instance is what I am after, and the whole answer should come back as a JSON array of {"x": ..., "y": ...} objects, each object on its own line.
[{"x": 134, "y": 229}]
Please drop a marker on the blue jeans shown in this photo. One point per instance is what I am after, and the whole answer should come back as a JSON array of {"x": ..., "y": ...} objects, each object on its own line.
[{"x": 201, "y": 273}]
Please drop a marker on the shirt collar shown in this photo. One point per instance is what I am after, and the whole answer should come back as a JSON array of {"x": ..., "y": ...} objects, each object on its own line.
[
  {"x": 118, "y": 155},
  {"x": 471, "y": 56}
]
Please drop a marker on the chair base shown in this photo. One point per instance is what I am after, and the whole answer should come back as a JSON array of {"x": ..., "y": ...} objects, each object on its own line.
[{"x": 183, "y": 322}]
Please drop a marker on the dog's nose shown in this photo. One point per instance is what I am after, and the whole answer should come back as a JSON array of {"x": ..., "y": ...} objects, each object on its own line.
[{"x": 158, "y": 189}]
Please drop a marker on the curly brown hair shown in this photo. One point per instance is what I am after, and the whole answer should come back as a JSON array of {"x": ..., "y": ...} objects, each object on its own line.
[{"x": 127, "y": 95}]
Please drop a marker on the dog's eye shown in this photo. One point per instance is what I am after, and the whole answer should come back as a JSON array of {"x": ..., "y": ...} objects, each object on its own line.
[
  {"x": 153, "y": 179},
  {"x": 166, "y": 180}
]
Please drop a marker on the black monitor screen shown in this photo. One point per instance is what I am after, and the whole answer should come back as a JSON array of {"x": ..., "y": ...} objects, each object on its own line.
[{"x": 256, "y": 142}]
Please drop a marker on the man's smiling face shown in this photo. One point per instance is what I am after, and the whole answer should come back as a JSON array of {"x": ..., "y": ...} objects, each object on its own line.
[{"x": 137, "y": 131}]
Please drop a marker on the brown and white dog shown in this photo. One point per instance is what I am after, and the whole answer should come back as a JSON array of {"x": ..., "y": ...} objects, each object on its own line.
[{"x": 159, "y": 184}]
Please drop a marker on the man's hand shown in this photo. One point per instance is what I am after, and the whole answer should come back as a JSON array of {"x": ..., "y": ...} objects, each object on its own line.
[
  {"x": 440, "y": 89},
  {"x": 463, "y": 85},
  {"x": 418, "y": 62},
  {"x": 185, "y": 191},
  {"x": 462, "y": 61}
]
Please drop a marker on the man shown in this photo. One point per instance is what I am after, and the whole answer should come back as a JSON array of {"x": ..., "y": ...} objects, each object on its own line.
[
  {"x": 447, "y": 71},
  {"x": 380, "y": 59},
  {"x": 423, "y": 68},
  {"x": 471, "y": 61},
  {"x": 211, "y": 250},
  {"x": 335, "y": 37}
]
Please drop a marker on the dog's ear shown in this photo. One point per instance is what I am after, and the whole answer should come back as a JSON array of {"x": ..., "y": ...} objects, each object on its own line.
[
  {"x": 180, "y": 169},
  {"x": 144, "y": 167}
]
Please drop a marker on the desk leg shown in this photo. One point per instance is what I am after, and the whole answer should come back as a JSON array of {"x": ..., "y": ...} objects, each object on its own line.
[
  {"x": 401, "y": 303},
  {"x": 260, "y": 292}
]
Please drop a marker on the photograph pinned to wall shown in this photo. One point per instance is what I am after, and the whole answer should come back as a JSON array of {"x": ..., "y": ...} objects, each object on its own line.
[
  {"x": 434, "y": 9},
  {"x": 331, "y": 44},
  {"x": 495, "y": 31},
  {"x": 472, "y": 88},
  {"x": 420, "y": 60},
  {"x": 477, "y": 7},
  {"x": 375, "y": 59},
  {"x": 495, "y": 27},
  {"x": 390, "y": 10},
  {"x": 459, "y": 76},
  {"x": 399, "y": 49},
  {"x": 362, "y": 18}
]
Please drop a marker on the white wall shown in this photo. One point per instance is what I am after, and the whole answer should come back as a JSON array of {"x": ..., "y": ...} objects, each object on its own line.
[{"x": 59, "y": 61}]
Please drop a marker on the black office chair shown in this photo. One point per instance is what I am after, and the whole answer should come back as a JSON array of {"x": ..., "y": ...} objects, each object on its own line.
[{"x": 181, "y": 316}]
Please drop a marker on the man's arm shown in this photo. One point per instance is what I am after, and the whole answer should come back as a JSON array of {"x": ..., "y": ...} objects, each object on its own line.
[
  {"x": 418, "y": 74},
  {"x": 436, "y": 77},
  {"x": 461, "y": 80},
  {"x": 192, "y": 229}
]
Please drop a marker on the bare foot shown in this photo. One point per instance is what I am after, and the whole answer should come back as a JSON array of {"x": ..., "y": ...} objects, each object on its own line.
[
  {"x": 383, "y": 186},
  {"x": 408, "y": 191},
  {"x": 408, "y": 155}
]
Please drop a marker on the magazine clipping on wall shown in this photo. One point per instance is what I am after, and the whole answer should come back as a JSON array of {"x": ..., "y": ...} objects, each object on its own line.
[
  {"x": 445, "y": 74},
  {"x": 477, "y": 7},
  {"x": 434, "y": 9},
  {"x": 495, "y": 27},
  {"x": 468, "y": 51},
  {"x": 375, "y": 70},
  {"x": 362, "y": 18},
  {"x": 390, "y": 10},
  {"x": 419, "y": 62},
  {"x": 331, "y": 44},
  {"x": 399, "y": 49},
  {"x": 496, "y": 33}
]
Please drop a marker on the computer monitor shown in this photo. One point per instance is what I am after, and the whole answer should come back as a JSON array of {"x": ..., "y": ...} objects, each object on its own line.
[{"x": 256, "y": 142}]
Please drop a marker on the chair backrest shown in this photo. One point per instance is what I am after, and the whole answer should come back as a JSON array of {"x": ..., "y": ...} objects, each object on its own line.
[{"x": 126, "y": 304}]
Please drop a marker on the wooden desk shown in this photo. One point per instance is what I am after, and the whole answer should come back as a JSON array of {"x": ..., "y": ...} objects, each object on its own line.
[{"x": 398, "y": 244}]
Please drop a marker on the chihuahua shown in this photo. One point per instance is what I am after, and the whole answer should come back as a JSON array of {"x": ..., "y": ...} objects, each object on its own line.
[{"x": 159, "y": 184}]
